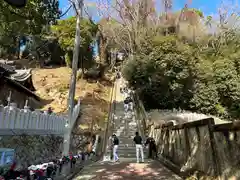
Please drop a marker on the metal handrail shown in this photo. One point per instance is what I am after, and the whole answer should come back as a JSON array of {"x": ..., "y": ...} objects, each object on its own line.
[{"x": 110, "y": 116}]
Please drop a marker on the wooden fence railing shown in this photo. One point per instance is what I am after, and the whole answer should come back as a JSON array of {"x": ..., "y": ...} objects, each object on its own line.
[{"x": 200, "y": 146}]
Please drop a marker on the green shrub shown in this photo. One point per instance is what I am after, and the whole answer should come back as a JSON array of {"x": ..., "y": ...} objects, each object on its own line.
[{"x": 172, "y": 74}]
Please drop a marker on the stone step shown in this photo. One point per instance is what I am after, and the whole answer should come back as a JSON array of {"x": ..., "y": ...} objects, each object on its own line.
[
  {"x": 125, "y": 141},
  {"x": 126, "y": 155},
  {"x": 123, "y": 127},
  {"x": 122, "y": 122},
  {"x": 125, "y": 132},
  {"x": 119, "y": 124},
  {"x": 129, "y": 129},
  {"x": 121, "y": 130},
  {"x": 123, "y": 118},
  {"x": 126, "y": 145},
  {"x": 133, "y": 155},
  {"x": 125, "y": 151},
  {"x": 130, "y": 149},
  {"x": 126, "y": 136}
]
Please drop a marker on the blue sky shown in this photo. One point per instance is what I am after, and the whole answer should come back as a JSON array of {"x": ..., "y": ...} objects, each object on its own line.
[{"x": 209, "y": 7}]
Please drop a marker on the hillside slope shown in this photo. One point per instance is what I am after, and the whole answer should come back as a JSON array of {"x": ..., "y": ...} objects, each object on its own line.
[{"x": 53, "y": 85}]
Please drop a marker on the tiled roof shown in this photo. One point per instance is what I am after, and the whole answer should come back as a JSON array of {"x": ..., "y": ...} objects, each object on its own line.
[
  {"x": 7, "y": 68},
  {"x": 21, "y": 75},
  {"x": 17, "y": 78}
]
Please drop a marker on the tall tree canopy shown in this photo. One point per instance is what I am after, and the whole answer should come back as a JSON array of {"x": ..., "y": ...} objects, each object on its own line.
[
  {"x": 179, "y": 59},
  {"x": 33, "y": 19},
  {"x": 65, "y": 31},
  {"x": 30, "y": 19}
]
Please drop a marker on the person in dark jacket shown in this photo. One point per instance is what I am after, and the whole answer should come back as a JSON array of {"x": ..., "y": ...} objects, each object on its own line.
[
  {"x": 73, "y": 162},
  {"x": 49, "y": 170},
  {"x": 152, "y": 147},
  {"x": 115, "y": 148},
  {"x": 139, "y": 148},
  {"x": 60, "y": 164},
  {"x": 118, "y": 76}
]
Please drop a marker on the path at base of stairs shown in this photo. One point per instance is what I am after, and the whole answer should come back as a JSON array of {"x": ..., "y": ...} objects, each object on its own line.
[{"x": 126, "y": 169}]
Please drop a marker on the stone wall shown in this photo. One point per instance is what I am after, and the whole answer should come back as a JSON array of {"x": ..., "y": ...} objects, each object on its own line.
[
  {"x": 200, "y": 146},
  {"x": 33, "y": 149},
  {"x": 78, "y": 142}
]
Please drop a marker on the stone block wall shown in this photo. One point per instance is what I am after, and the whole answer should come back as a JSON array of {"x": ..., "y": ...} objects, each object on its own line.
[
  {"x": 78, "y": 142},
  {"x": 33, "y": 149}
]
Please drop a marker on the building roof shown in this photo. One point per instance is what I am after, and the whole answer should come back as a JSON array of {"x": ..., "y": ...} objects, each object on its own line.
[
  {"x": 23, "y": 88},
  {"x": 6, "y": 68},
  {"x": 17, "y": 78},
  {"x": 21, "y": 75}
]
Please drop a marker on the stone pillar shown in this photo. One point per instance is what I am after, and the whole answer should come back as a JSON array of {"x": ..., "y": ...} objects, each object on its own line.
[
  {"x": 12, "y": 106},
  {"x": 12, "y": 115},
  {"x": 26, "y": 108}
]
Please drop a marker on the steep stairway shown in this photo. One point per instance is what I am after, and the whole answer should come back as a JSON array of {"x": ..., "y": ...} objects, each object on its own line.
[
  {"x": 125, "y": 128},
  {"x": 127, "y": 168}
]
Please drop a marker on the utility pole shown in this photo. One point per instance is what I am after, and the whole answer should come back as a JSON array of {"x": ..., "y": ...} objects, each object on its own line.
[{"x": 78, "y": 5}]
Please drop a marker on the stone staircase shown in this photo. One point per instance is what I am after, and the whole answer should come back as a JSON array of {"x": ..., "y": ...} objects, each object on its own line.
[{"x": 125, "y": 129}]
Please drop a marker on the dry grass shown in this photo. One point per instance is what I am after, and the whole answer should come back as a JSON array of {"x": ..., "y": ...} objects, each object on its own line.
[{"x": 53, "y": 85}]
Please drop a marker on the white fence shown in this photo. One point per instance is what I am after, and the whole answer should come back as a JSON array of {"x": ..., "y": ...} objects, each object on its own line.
[{"x": 23, "y": 121}]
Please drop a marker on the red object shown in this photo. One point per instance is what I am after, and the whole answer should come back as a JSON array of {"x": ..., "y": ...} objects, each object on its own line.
[
  {"x": 40, "y": 172},
  {"x": 89, "y": 49},
  {"x": 70, "y": 156},
  {"x": 13, "y": 166}
]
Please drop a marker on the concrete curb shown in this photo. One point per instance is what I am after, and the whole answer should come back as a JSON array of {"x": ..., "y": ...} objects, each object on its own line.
[{"x": 71, "y": 176}]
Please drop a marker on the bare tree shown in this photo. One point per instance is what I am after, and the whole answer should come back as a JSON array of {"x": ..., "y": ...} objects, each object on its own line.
[{"x": 132, "y": 21}]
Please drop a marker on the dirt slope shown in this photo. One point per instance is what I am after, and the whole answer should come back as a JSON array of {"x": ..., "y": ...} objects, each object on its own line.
[{"x": 53, "y": 85}]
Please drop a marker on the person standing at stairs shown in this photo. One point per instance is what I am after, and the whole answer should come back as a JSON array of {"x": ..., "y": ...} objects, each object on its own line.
[
  {"x": 139, "y": 148},
  {"x": 115, "y": 148},
  {"x": 126, "y": 106},
  {"x": 152, "y": 147}
]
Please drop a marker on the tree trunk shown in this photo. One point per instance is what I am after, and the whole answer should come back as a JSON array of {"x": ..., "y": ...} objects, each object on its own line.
[
  {"x": 102, "y": 50},
  {"x": 68, "y": 58}
]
